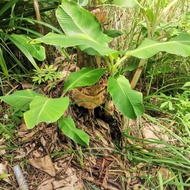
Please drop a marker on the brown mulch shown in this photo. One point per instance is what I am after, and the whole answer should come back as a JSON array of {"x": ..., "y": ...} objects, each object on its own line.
[{"x": 49, "y": 160}]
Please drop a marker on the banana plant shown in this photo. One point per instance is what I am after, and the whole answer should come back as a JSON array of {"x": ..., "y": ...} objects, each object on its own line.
[
  {"x": 82, "y": 30},
  {"x": 92, "y": 40}
]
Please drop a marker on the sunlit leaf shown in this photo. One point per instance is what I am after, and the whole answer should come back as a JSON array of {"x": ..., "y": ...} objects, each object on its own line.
[
  {"x": 127, "y": 3},
  {"x": 84, "y": 77},
  {"x": 82, "y": 30},
  {"x": 20, "y": 99},
  {"x": 29, "y": 50},
  {"x": 82, "y": 2},
  {"x": 179, "y": 45},
  {"x": 187, "y": 84},
  {"x": 67, "y": 125},
  {"x": 43, "y": 109},
  {"x": 76, "y": 21},
  {"x": 36, "y": 50},
  {"x": 126, "y": 100},
  {"x": 85, "y": 42}
]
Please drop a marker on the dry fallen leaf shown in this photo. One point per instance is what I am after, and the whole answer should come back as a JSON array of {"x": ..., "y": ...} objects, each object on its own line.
[
  {"x": 165, "y": 173},
  {"x": 2, "y": 150},
  {"x": 20, "y": 153},
  {"x": 100, "y": 15},
  {"x": 3, "y": 171},
  {"x": 71, "y": 182},
  {"x": 47, "y": 185},
  {"x": 152, "y": 131},
  {"x": 43, "y": 163}
]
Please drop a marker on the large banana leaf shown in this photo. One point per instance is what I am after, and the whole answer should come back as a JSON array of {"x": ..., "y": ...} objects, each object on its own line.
[
  {"x": 84, "y": 77},
  {"x": 20, "y": 99},
  {"x": 74, "y": 21},
  {"x": 82, "y": 40},
  {"x": 179, "y": 45},
  {"x": 127, "y": 3},
  {"x": 82, "y": 29},
  {"x": 43, "y": 109},
  {"x": 126, "y": 100}
]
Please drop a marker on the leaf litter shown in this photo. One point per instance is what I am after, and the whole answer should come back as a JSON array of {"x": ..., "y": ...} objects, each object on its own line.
[{"x": 49, "y": 160}]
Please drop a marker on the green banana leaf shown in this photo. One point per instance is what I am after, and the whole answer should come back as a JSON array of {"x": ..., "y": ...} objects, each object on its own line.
[
  {"x": 74, "y": 21},
  {"x": 82, "y": 30},
  {"x": 127, "y": 3},
  {"x": 126, "y": 100},
  {"x": 179, "y": 45},
  {"x": 67, "y": 125},
  {"x": 29, "y": 50},
  {"x": 82, "y": 2},
  {"x": 113, "y": 33},
  {"x": 20, "y": 99},
  {"x": 82, "y": 40},
  {"x": 43, "y": 109},
  {"x": 84, "y": 77}
]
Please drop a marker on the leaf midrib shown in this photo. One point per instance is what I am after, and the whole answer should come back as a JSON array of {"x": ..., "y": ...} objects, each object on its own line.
[{"x": 42, "y": 108}]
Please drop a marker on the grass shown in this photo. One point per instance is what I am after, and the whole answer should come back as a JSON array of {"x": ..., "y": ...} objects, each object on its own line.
[
  {"x": 174, "y": 153},
  {"x": 172, "y": 157}
]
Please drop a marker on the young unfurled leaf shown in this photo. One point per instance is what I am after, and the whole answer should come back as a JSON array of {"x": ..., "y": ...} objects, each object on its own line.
[{"x": 67, "y": 125}]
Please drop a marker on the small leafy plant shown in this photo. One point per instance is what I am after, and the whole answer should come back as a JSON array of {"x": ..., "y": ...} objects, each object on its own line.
[{"x": 48, "y": 73}]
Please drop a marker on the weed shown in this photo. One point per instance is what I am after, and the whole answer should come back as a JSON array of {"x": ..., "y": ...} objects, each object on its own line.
[{"x": 48, "y": 73}]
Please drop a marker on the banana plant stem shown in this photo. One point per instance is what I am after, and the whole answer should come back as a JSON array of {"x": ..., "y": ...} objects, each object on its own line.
[{"x": 138, "y": 73}]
